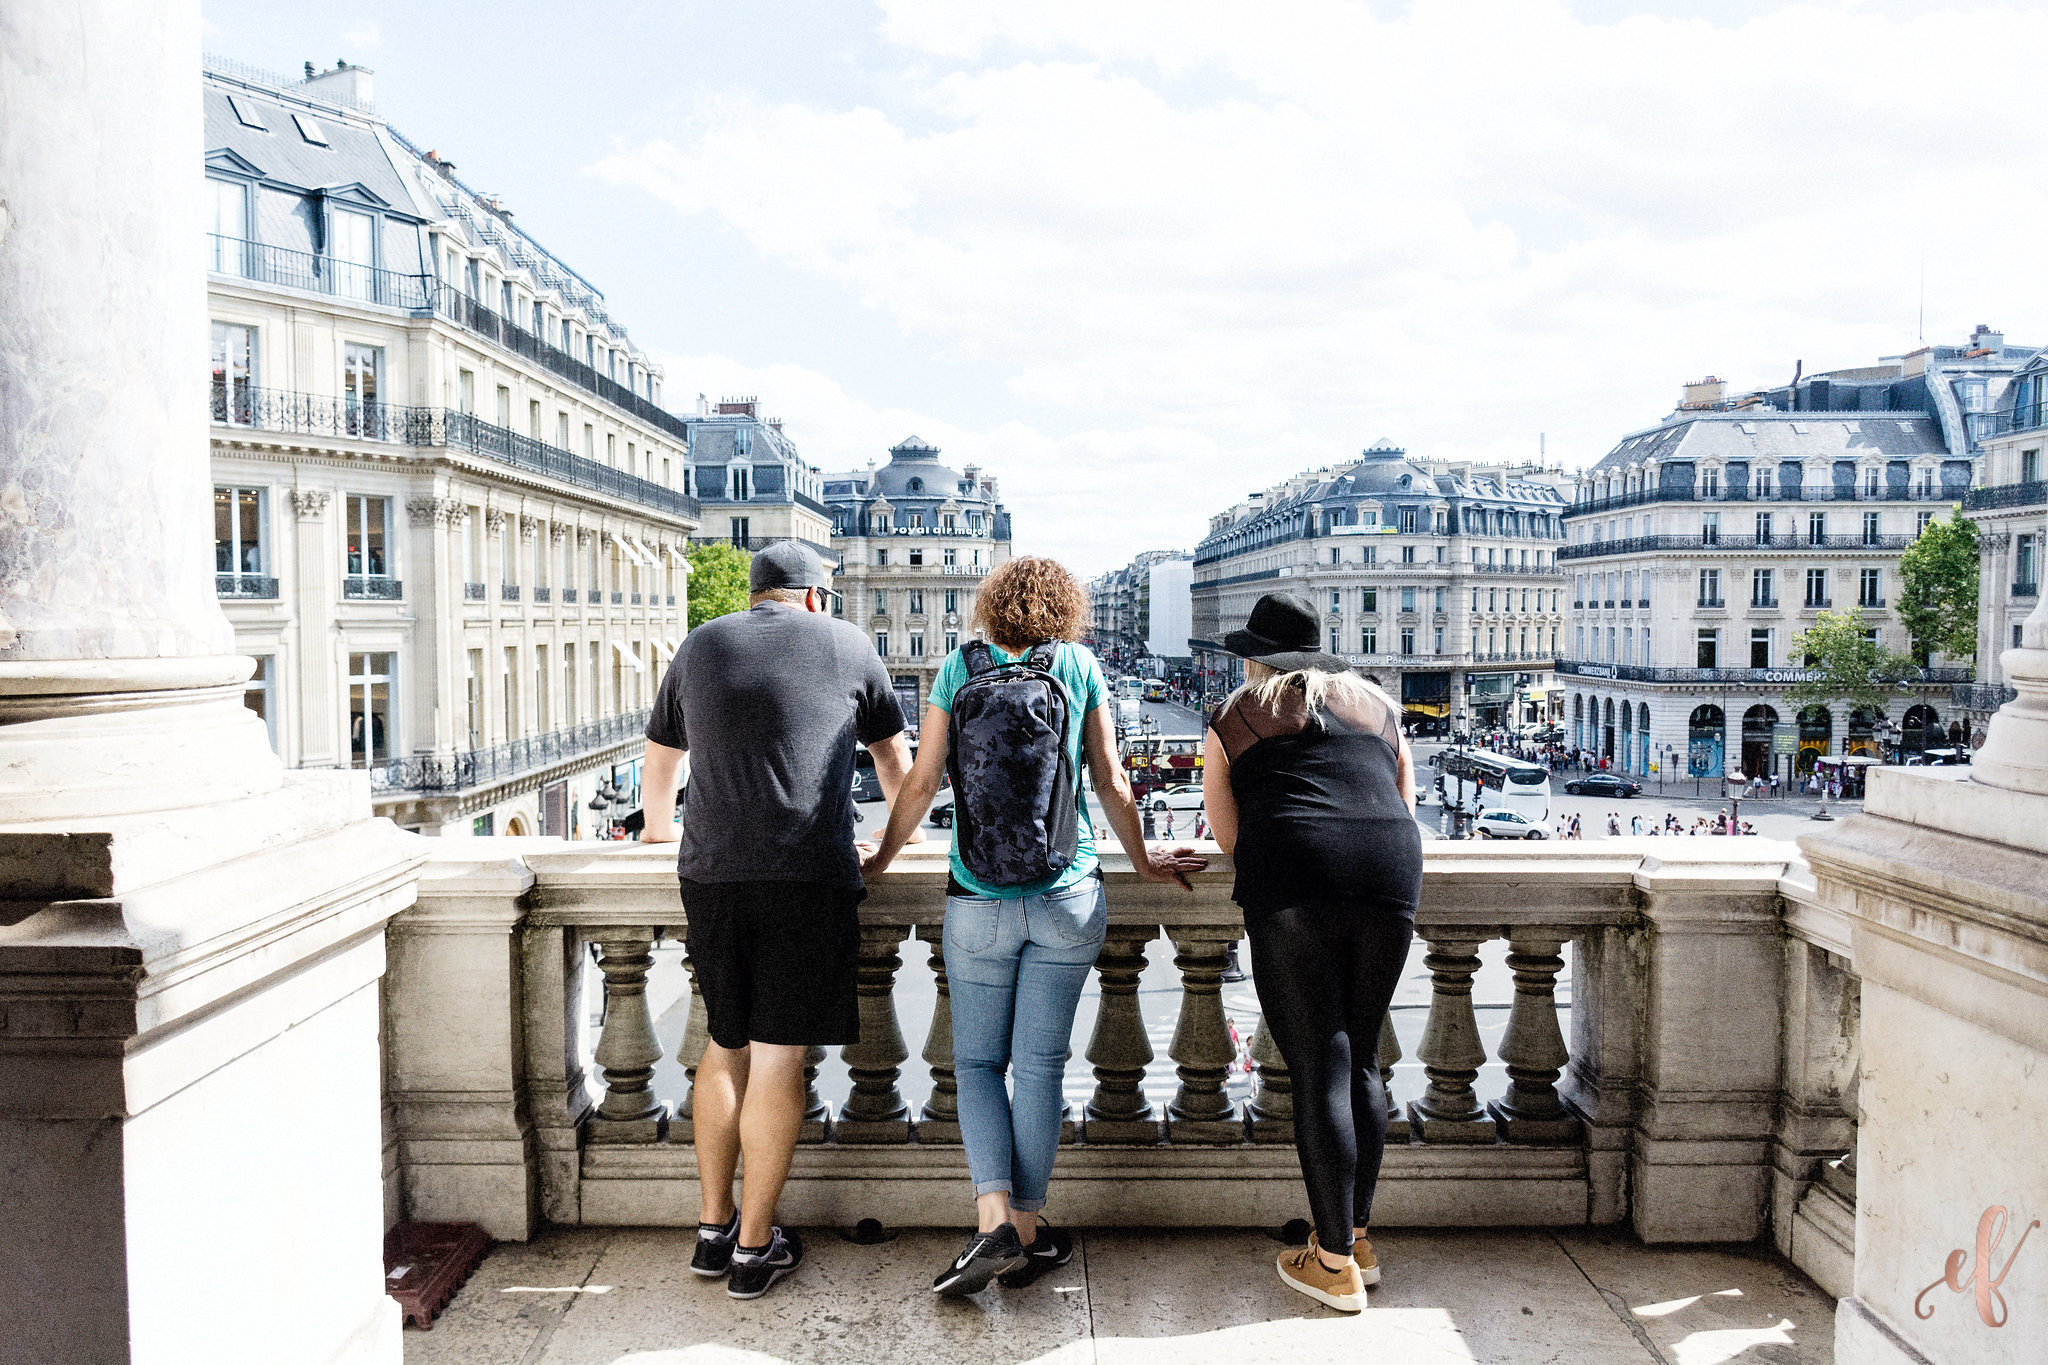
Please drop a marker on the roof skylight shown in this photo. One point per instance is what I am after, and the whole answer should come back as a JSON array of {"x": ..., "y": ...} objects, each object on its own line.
[
  {"x": 310, "y": 129},
  {"x": 247, "y": 112}
]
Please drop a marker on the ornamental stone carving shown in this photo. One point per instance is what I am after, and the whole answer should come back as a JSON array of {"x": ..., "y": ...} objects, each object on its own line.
[
  {"x": 309, "y": 502},
  {"x": 582, "y": 536},
  {"x": 437, "y": 511},
  {"x": 528, "y": 526},
  {"x": 557, "y": 533},
  {"x": 494, "y": 520}
]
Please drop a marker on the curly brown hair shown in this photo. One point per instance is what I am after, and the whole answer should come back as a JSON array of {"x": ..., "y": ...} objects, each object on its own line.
[{"x": 1030, "y": 599}]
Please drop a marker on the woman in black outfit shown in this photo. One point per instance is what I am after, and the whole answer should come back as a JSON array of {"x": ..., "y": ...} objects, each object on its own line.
[{"x": 1308, "y": 782}]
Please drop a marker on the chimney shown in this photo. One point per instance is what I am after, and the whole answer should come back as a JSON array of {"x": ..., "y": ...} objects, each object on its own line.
[
  {"x": 1984, "y": 339},
  {"x": 1703, "y": 393},
  {"x": 346, "y": 85}
]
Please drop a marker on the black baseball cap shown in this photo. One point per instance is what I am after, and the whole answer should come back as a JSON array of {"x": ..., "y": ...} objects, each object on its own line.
[{"x": 789, "y": 564}]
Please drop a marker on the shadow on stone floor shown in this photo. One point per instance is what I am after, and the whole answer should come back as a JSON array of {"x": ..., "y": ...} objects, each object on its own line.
[{"x": 1576, "y": 1297}]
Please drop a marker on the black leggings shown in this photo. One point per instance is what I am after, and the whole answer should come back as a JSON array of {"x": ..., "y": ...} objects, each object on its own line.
[{"x": 1325, "y": 975}]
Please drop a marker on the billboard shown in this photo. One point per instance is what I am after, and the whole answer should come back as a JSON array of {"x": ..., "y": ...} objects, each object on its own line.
[{"x": 1172, "y": 608}]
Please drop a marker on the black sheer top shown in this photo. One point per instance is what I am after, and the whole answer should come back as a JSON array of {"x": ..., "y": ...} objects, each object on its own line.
[{"x": 1320, "y": 819}]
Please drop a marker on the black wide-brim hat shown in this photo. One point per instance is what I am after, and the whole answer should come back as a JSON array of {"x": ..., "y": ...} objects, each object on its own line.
[{"x": 1284, "y": 632}]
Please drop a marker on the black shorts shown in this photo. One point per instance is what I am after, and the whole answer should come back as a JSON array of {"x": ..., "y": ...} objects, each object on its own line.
[{"x": 775, "y": 960}]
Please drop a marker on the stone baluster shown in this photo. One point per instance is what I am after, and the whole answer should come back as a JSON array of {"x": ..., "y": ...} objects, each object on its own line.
[
  {"x": 1269, "y": 1114},
  {"x": 690, "y": 1052},
  {"x": 875, "y": 1111},
  {"x": 1201, "y": 1047},
  {"x": 817, "y": 1124},
  {"x": 1119, "y": 1112},
  {"x": 1533, "y": 1047},
  {"x": 627, "y": 1049},
  {"x": 940, "y": 1121},
  {"x": 1389, "y": 1054},
  {"x": 1449, "y": 1111}
]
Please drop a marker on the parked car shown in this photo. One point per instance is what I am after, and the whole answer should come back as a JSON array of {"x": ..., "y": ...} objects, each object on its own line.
[
  {"x": 1603, "y": 784},
  {"x": 1180, "y": 796},
  {"x": 942, "y": 810},
  {"x": 1507, "y": 824}
]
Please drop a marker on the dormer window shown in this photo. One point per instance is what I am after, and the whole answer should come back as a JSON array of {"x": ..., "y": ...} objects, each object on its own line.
[
  {"x": 917, "y": 485},
  {"x": 246, "y": 112},
  {"x": 310, "y": 129}
]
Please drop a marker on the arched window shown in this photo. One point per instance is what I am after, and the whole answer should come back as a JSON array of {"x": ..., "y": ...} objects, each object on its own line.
[
  {"x": 1706, "y": 742},
  {"x": 1816, "y": 735}
]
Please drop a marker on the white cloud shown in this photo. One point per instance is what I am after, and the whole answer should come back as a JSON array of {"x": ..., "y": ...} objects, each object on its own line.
[
  {"x": 1204, "y": 246},
  {"x": 364, "y": 36}
]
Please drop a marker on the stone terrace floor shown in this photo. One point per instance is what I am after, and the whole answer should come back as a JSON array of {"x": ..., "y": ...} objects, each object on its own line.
[{"x": 597, "y": 1296}]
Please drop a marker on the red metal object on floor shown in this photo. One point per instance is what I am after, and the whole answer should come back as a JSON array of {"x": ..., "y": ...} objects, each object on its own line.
[{"x": 425, "y": 1263}]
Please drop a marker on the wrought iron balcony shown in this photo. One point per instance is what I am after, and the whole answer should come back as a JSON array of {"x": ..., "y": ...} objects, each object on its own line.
[
  {"x": 542, "y": 594},
  {"x": 2022, "y": 417},
  {"x": 244, "y": 586},
  {"x": 2031, "y": 494},
  {"x": 1914, "y": 679},
  {"x": 371, "y": 588},
  {"x": 1764, "y": 603},
  {"x": 508, "y": 592},
  {"x": 473, "y": 592},
  {"x": 1708, "y": 602},
  {"x": 1981, "y": 696},
  {"x": 2026, "y": 587},
  {"x": 635, "y": 598},
  {"x": 324, "y": 415},
  {"x": 313, "y": 274},
  {"x": 618, "y": 599},
  {"x": 1727, "y": 541},
  {"x": 511, "y": 759}
]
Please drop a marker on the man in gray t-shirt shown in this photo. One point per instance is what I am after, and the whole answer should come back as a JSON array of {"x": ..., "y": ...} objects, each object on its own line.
[{"x": 768, "y": 704}]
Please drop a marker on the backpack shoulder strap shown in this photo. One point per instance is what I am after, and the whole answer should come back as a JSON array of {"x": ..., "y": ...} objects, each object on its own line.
[
  {"x": 1042, "y": 655},
  {"x": 978, "y": 657}
]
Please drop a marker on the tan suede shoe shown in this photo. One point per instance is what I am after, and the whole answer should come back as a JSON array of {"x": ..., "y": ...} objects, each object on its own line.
[
  {"x": 1362, "y": 1252},
  {"x": 1305, "y": 1272}
]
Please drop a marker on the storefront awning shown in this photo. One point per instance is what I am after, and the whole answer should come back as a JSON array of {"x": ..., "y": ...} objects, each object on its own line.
[{"x": 1436, "y": 710}]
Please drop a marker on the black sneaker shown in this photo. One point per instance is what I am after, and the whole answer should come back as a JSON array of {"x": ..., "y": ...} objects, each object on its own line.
[
  {"x": 753, "y": 1273},
  {"x": 713, "y": 1255},
  {"x": 988, "y": 1254},
  {"x": 1052, "y": 1250}
]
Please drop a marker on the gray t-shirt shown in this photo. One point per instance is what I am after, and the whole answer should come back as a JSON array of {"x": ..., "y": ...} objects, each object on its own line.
[{"x": 769, "y": 702}]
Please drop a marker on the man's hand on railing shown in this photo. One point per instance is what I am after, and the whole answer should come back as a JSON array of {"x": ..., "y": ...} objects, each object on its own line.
[{"x": 1171, "y": 865}]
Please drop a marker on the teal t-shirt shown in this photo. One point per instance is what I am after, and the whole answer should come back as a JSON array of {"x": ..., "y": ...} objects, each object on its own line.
[{"x": 1075, "y": 666}]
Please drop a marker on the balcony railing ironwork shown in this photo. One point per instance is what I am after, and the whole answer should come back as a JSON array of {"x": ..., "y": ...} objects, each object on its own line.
[
  {"x": 618, "y": 599},
  {"x": 474, "y": 592},
  {"x": 316, "y": 274},
  {"x": 508, "y": 592},
  {"x": 371, "y": 588},
  {"x": 1781, "y": 543},
  {"x": 2026, "y": 587},
  {"x": 2022, "y": 417},
  {"x": 2030, "y": 494},
  {"x": 1981, "y": 696},
  {"x": 543, "y": 594},
  {"x": 244, "y": 586},
  {"x": 1918, "y": 678},
  {"x": 323, "y": 415},
  {"x": 1802, "y": 492},
  {"x": 511, "y": 759},
  {"x": 467, "y": 313}
]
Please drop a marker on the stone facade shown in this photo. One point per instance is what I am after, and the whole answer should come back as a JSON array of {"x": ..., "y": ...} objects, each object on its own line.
[
  {"x": 1438, "y": 578},
  {"x": 448, "y": 512},
  {"x": 915, "y": 539},
  {"x": 753, "y": 486},
  {"x": 2010, "y": 507}
]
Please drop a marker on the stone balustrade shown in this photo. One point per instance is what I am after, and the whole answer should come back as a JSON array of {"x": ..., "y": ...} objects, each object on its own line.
[{"x": 1664, "y": 1103}]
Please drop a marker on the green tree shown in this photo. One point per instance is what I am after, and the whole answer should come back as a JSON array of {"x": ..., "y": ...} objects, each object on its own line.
[
  {"x": 1938, "y": 597},
  {"x": 1848, "y": 665},
  {"x": 718, "y": 581}
]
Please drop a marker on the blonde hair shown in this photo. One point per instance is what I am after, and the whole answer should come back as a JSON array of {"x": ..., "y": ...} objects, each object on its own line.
[{"x": 1268, "y": 687}]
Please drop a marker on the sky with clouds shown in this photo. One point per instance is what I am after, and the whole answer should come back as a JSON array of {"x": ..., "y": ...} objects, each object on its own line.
[{"x": 1140, "y": 257}]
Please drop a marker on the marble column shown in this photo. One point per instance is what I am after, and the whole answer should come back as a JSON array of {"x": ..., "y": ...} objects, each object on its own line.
[{"x": 192, "y": 939}]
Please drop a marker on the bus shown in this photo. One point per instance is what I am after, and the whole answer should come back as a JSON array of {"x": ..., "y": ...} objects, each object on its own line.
[
  {"x": 1155, "y": 690},
  {"x": 1130, "y": 686},
  {"x": 1155, "y": 761},
  {"x": 1488, "y": 781}
]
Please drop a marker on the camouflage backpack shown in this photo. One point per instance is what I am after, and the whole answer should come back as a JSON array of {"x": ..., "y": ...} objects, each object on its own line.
[{"x": 1016, "y": 798}]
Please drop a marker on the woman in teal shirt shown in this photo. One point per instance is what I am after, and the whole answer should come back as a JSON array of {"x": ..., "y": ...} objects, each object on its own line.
[{"x": 1017, "y": 957}]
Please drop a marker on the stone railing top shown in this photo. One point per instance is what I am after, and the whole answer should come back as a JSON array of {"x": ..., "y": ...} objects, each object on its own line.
[{"x": 1465, "y": 883}]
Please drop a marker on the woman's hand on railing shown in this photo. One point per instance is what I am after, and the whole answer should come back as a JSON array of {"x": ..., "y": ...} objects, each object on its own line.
[{"x": 1170, "y": 865}]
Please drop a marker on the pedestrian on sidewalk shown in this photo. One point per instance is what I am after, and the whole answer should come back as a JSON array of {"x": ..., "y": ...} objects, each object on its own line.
[
  {"x": 1309, "y": 783},
  {"x": 1025, "y": 909},
  {"x": 767, "y": 703}
]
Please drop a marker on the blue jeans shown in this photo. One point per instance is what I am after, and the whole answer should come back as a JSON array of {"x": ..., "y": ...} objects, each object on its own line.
[{"x": 1015, "y": 968}]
